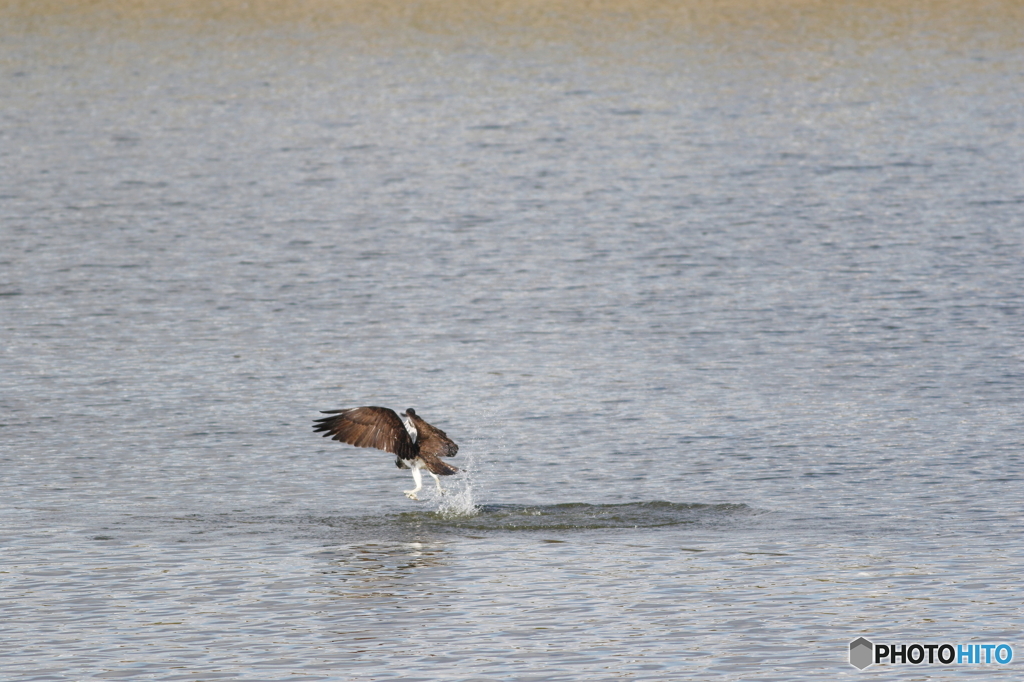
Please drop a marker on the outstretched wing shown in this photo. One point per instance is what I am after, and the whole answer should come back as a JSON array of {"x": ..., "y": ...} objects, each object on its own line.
[
  {"x": 368, "y": 427},
  {"x": 432, "y": 440}
]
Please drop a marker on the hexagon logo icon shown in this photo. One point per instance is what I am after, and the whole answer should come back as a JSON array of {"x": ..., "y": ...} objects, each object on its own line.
[{"x": 861, "y": 653}]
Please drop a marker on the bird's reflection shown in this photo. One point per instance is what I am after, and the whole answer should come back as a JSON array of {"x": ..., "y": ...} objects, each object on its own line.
[{"x": 385, "y": 569}]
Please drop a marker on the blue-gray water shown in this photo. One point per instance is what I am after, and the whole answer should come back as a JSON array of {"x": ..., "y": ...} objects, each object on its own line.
[{"x": 728, "y": 324}]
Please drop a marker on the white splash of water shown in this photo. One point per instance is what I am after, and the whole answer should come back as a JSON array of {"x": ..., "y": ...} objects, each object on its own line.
[{"x": 458, "y": 500}]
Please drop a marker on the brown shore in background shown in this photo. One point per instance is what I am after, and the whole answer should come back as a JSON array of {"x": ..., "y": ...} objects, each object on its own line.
[{"x": 530, "y": 20}]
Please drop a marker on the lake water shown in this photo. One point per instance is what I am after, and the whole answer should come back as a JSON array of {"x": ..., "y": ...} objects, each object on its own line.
[{"x": 724, "y": 305}]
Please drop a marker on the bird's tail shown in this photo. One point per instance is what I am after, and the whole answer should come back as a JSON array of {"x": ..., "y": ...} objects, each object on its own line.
[{"x": 439, "y": 468}]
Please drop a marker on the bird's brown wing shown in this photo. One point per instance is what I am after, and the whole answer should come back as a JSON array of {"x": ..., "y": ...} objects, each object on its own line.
[
  {"x": 432, "y": 440},
  {"x": 368, "y": 427}
]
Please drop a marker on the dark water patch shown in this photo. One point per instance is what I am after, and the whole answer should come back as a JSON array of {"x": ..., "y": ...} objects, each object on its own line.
[
  {"x": 481, "y": 521},
  {"x": 581, "y": 516}
]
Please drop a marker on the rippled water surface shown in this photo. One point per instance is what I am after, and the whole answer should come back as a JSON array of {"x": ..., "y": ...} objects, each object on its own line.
[{"x": 724, "y": 306}]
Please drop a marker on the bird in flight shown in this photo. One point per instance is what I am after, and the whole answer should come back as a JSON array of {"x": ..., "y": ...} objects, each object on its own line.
[{"x": 416, "y": 444}]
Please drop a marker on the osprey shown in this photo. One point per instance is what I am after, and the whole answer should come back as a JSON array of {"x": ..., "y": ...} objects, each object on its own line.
[{"x": 417, "y": 444}]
